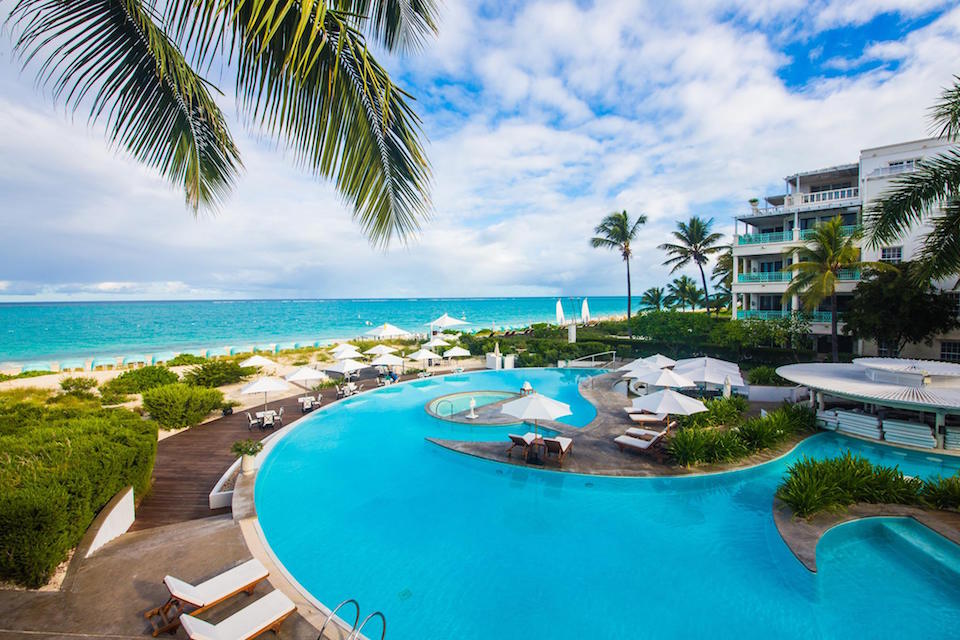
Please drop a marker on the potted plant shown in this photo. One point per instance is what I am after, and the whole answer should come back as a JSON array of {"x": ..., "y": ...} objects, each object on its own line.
[
  {"x": 227, "y": 407},
  {"x": 247, "y": 450},
  {"x": 754, "y": 203}
]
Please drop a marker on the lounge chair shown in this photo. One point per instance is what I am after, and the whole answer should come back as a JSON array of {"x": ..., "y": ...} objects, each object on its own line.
[
  {"x": 648, "y": 433},
  {"x": 648, "y": 417},
  {"x": 523, "y": 442},
  {"x": 559, "y": 446},
  {"x": 639, "y": 444},
  {"x": 265, "y": 614},
  {"x": 244, "y": 577},
  {"x": 252, "y": 423}
]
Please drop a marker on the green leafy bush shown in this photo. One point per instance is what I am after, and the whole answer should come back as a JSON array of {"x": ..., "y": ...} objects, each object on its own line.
[
  {"x": 24, "y": 374},
  {"x": 60, "y": 463},
  {"x": 178, "y": 405},
  {"x": 139, "y": 380},
  {"x": 217, "y": 373},
  {"x": 186, "y": 358},
  {"x": 942, "y": 493},
  {"x": 721, "y": 412},
  {"x": 246, "y": 448},
  {"x": 766, "y": 376},
  {"x": 689, "y": 445},
  {"x": 79, "y": 386}
]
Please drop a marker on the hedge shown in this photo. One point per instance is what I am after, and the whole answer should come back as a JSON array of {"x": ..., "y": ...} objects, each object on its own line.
[
  {"x": 59, "y": 465},
  {"x": 179, "y": 405},
  {"x": 139, "y": 380}
]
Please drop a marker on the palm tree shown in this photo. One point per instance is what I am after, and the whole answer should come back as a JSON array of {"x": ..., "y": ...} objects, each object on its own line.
[
  {"x": 304, "y": 74},
  {"x": 617, "y": 231},
  {"x": 653, "y": 298},
  {"x": 684, "y": 291},
  {"x": 694, "y": 243},
  {"x": 930, "y": 193},
  {"x": 827, "y": 253},
  {"x": 722, "y": 277}
]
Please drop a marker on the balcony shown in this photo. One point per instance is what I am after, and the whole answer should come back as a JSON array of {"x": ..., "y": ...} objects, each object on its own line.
[
  {"x": 765, "y": 238},
  {"x": 776, "y": 314},
  {"x": 824, "y": 197},
  {"x": 765, "y": 276},
  {"x": 807, "y": 234},
  {"x": 848, "y": 274}
]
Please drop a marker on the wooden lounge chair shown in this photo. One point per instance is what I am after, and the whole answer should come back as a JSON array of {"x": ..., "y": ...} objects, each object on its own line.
[
  {"x": 265, "y": 614},
  {"x": 559, "y": 446},
  {"x": 244, "y": 577},
  {"x": 523, "y": 442}
]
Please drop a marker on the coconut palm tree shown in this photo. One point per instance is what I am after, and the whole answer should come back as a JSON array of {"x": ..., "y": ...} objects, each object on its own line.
[
  {"x": 617, "y": 231},
  {"x": 828, "y": 252},
  {"x": 684, "y": 291},
  {"x": 694, "y": 243},
  {"x": 303, "y": 74},
  {"x": 722, "y": 277},
  {"x": 931, "y": 194},
  {"x": 653, "y": 298}
]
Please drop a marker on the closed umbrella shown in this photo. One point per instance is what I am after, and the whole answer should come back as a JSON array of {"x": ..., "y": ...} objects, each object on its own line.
[
  {"x": 535, "y": 406},
  {"x": 387, "y": 331},
  {"x": 561, "y": 320},
  {"x": 379, "y": 350},
  {"x": 258, "y": 361},
  {"x": 265, "y": 385},
  {"x": 585, "y": 311}
]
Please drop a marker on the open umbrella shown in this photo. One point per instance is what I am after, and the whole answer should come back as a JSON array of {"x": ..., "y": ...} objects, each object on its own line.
[
  {"x": 423, "y": 355},
  {"x": 306, "y": 374},
  {"x": 661, "y": 378},
  {"x": 659, "y": 360},
  {"x": 345, "y": 367},
  {"x": 348, "y": 354},
  {"x": 710, "y": 374},
  {"x": 387, "y": 360},
  {"x": 670, "y": 402},
  {"x": 706, "y": 361},
  {"x": 638, "y": 365},
  {"x": 265, "y": 385},
  {"x": 436, "y": 342},
  {"x": 387, "y": 331},
  {"x": 258, "y": 361},
  {"x": 343, "y": 346},
  {"x": 445, "y": 321},
  {"x": 456, "y": 352},
  {"x": 379, "y": 350},
  {"x": 535, "y": 406}
]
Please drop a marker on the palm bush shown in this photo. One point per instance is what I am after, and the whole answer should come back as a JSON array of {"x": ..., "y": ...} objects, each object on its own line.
[
  {"x": 942, "y": 493},
  {"x": 186, "y": 358},
  {"x": 766, "y": 432},
  {"x": 720, "y": 412},
  {"x": 689, "y": 446},
  {"x": 764, "y": 375}
]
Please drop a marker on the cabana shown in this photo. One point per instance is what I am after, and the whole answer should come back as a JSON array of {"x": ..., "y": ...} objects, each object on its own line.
[
  {"x": 73, "y": 364},
  {"x": 37, "y": 366},
  {"x": 105, "y": 362},
  {"x": 134, "y": 359}
]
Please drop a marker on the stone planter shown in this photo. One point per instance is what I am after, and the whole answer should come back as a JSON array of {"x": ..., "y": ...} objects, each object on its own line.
[{"x": 246, "y": 465}]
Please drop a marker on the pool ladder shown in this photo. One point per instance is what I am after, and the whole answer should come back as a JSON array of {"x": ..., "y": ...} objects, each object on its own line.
[
  {"x": 355, "y": 630},
  {"x": 439, "y": 404}
]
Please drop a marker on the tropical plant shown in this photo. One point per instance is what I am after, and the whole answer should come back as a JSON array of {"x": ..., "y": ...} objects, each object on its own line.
[
  {"x": 139, "y": 380},
  {"x": 304, "y": 74},
  {"x": 899, "y": 307},
  {"x": 722, "y": 277},
  {"x": 653, "y": 298},
  {"x": 246, "y": 447},
  {"x": 694, "y": 243},
  {"x": 764, "y": 375},
  {"x": 830, "y": 251},
  {"x": 684, "y": 291},
  {"x": 79, "y": 385},
  {"x": 186, "y": 358},
  {"x": 929, "y": 195},
  {"x": 217, "y": 373},
  {"x": 942, "y": 493},
  {"x": 721, "y": 412},
  {"x": 616, "y": 232},
  {"x": 178, "y": 405}
]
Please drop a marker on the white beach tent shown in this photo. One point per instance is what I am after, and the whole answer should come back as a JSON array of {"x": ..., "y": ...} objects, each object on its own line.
[
  {"x": 265, "y": 385},
  {"x": 379, "y": 350},
  {"x": 345, "y": 367},
  {"x": 387, "y": 331},
  {"x": 258, "y": 361},
  {"x": 535, "y": 406},
  {"x": 446, "y": 321},
  {"x": 659, "y": 360},
  {"x": 661, "y": 378},
  {"x": 670, "y": 402},
  {"x": 561, "y": 320},
  {"x": 456, "y": 352},
  {"x": 423, "y": 355},
  {"x": 306, "y": 374},
  {"x": 436, "y": 342},
  {"x": 585, "y": 311}
]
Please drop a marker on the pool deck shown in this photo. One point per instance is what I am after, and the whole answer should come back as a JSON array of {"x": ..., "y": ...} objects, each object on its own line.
[{"x": 594, "y": 451}]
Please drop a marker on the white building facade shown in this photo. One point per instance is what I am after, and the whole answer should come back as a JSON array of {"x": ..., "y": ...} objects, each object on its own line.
[{"x": 768, "y": 237}]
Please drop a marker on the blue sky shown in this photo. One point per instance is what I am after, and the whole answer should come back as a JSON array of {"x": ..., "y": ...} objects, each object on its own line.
[{"x": 541, "y": 118}]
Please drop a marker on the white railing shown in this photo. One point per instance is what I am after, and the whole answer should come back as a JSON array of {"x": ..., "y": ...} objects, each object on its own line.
[
  {"x": 590, "y": 361},
  {"x": 879, "y": 172},
  {"x": 829, "y": 196}
]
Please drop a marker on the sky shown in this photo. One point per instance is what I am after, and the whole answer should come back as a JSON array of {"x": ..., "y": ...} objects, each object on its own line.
[{"x": 539, "y": 119}]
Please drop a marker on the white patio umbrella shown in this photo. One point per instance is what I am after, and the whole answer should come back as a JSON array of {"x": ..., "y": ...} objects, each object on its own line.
[
  {"x": 387, "y": 331},
  {"x": 669, "y": 401},
  {"x": 423, "y": 355},
  {"x": 535, "y": 406},
  {"x": 348, "y": 354},
  {"x": 265, "y": 385},
  {"x": 345, "y": 367},
  {"x": 456, "y": 352},
  {"x": 661, "y": 378},
  {"x": 387, "y": 360},
  {"x": 704, "y": 361},
  {"x": 343, "y": 346},
  {"x": 585, "y": 311},
  {"x": 436, "y": 342},
  {"x": 561, "y": 320},
  {"x": 305, "y": 374},
  {"x": 445, "y": 321},
  {"x": 379, "y": 350},
  {"x": 659, "y": 360},
  {"x": 711, "y": 374},
  {"x": 258, "y": 361},
  {"x": 638, "y": 365}
]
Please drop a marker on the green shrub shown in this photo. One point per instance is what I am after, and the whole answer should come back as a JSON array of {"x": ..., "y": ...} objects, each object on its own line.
[
  {"x": 179, "y": 405},
  {"x": 60, "y": 463},
  {"x": 721, "y": 412},
  {"x": 217, "y": 373},
  {"x": 689, "y": 445},
  {"x": 766, "y": 376},
  {"x": 186, "y": 358},
  {"x": 246, "y": 448},
  {"x": 139, "y": 380},
  {"x": 78, "y": 386},
  {"x": 765, "y": 432},
  {"x": 24, "y": 374},
  {"x": 942, "y": 493}
]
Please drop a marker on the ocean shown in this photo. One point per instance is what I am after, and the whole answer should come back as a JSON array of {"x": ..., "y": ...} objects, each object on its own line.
[{"x": 50, "y": 331}]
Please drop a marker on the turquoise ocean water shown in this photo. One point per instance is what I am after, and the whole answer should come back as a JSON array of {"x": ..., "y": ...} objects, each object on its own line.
[{"x": 47, "y": 331}]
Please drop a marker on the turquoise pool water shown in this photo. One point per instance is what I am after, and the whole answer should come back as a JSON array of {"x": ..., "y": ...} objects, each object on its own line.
[
  {"x": 449, "y": 405},
  {"x": 356, "y": 503}
]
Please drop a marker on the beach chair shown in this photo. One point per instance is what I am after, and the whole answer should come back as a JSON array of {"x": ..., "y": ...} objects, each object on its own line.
[
  {"x": 523, "y": 442},
  {"x": 340, "y": 393},
  {"x": 201, "y": 597},
  {"x": 280, "y": 416},
  {"x": 636, "y": 432},
  {"x": 265, "y": 614},
  {"x": 648, "y": 418},
  {"x": 641, "y": 444},
  {"x": 268, "y": 421},
  {"x": 559, "y": 447},
  {"x": 252, "y": 423}
]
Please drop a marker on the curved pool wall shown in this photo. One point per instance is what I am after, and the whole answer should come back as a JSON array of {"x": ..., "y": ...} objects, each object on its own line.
[
  {"x": 448, "y": 405},
  {"x": 356, "y": 503}
]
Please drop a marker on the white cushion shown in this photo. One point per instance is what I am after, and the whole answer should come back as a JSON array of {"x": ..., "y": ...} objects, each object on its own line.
[
  {"x": 529, "y": 437},
  {"x": 250, "y": 620},
  {"x": 217, "y": 587},
  {"x": 635, "y": 443},
  {"x": 639, "y": 433},
  {"x": 562, "y": 441}
]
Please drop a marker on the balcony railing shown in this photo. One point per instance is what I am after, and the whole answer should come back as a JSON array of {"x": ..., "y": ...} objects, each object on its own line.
[
  {"x": 776, "y": 314},
  {"x": 820, "y": 197},
  {"x": 894, "y": 170},
  {"x": 765, "y": 276},
  {"x": 765, "y": 238},
  {"x": 848, "y": 274},
  {"x": 806, "y": 234}
]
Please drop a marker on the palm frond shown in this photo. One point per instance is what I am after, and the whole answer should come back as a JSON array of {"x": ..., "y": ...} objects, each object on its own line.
[
  {"x": 395, "y": 24},
  {"x": 940, "y": 255},
  {"x": 113, "y": 55},
  {"x": 946, "y": 112}
]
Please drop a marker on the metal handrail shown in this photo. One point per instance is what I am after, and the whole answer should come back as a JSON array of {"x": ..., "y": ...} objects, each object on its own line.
[
  {"x": 383, "y": 620},
  {"x": 593, "y": 356},
  {"x": 334, "y": 612},
  {"x": 448, "y": 401}
]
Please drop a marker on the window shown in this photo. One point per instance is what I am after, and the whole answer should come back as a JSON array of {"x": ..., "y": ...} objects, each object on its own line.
[
  {"x": 891, "y": 254},
  {"x": 884, "y": 350},
  {"x": 901, "y": 166},
  {"x": 954, "y": 297},
  {"x": 950, "y": 350}
]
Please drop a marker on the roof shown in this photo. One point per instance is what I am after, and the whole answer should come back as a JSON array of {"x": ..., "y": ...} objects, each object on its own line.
[{"x": 837, "y": 170}]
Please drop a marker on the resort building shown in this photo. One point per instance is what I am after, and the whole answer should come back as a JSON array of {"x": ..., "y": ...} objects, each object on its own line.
[{"x": 769, "y": 236}]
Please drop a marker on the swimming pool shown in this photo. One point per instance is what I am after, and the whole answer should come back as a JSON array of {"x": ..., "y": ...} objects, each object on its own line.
[
  {"x": 455, "y": 403},
  {"x": 356, "y": 503}
]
